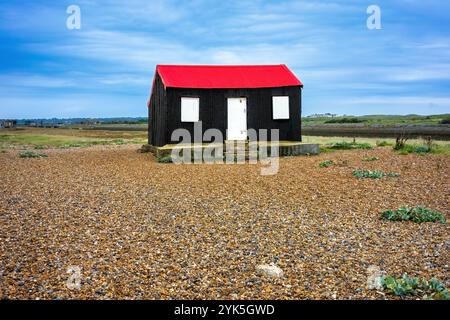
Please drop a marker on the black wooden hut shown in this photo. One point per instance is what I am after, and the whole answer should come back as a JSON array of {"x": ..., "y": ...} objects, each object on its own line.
[{"x": 229, "y": 98}]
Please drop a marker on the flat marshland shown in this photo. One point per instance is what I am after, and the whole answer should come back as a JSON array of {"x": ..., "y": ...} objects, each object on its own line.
[{"x": 139, "y": 229}]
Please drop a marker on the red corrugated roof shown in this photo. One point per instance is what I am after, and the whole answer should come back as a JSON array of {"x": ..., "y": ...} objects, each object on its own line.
[{"x": 227, "y": 77}]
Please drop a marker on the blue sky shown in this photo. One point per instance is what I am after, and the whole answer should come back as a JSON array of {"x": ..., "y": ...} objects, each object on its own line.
[{"x": 105, "y": 69}]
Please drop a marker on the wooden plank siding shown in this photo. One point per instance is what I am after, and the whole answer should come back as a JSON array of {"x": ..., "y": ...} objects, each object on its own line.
[
  {"x": 213, "y": 111},
  {"x": 157, "y": 114}
]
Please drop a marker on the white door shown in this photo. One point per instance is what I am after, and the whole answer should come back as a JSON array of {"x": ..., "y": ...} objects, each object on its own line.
[{"x": 237, "y": 119}]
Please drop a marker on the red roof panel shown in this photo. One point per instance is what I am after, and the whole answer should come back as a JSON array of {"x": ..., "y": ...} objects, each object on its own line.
[{"x": 227, "y": 77}]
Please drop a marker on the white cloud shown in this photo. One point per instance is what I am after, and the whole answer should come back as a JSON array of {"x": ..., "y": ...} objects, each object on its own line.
[
  {"x": 420, "y": 73},
  {"x": 139, "y": 52},
  {"x": 25, "y": 83},
  {"x": 34, "y": 81},
  {"x": 410, "y": 101}
]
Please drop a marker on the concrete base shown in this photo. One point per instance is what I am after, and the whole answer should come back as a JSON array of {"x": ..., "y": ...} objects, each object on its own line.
[{"x": 285, "y": 148}]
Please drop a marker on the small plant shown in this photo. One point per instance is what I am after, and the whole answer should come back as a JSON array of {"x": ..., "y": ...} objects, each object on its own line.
[
  {"x": 400, "y": 142},
  {"x": 412, "y": 286},
  {"x": 165, "y": 159},
  {"x": 349, "y": 146},
  {"x": 31, "y": 154},
  {"x": 119, "y": 142},
  {"x": 429, "y": 142},
  {"x": 418, "y": 214},
  {"x": 371, "y": 159},
  {"x": 73, "y": 145},
  {"x": 383, "y": 143},
  {"x": 326, "y": 164},
  {"x": 40, "y": 147},
  {"x": 422, "y": 149},
  {"x": 376, "y": 174},
  {"x": 368, "y": 174}
]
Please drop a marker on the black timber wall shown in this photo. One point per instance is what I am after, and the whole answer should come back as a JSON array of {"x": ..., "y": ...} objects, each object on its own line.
[
  {"x": 213, "y": 110},
  {"x": 157, "y": 114}
]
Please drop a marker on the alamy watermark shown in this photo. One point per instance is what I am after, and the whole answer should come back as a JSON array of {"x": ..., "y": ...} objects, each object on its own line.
[
  {"x": 74, "y": 280},
  {"x": 73, "y": 21},
  {"x": 374, "y": 19}
]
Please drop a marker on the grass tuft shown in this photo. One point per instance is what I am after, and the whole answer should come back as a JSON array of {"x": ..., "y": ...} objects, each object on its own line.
[
  {"x": 326, "y": 163},
  {"x": 349, "y": 146},
  {"x": 74, "y": 145},
  {"x": 371, "y": 159},
  {"x": 31, "y": 154},
  {"x": 409, "y": 148},
  {"x": 383, "y": 143},
  {"x": 40, "y": 147}
]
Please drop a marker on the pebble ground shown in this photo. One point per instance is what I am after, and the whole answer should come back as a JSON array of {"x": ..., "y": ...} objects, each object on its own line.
[{"x": 139, "y": 229}]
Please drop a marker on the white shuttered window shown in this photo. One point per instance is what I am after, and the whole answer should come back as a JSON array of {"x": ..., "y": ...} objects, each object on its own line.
[
  {"x": 280, "y": 107},
  {"x": 189, "y": 109}
]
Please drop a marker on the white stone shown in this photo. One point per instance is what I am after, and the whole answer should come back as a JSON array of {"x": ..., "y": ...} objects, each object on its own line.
[
  {"x": 375, "y": 278},
  {"x": 269, "y": 270}
]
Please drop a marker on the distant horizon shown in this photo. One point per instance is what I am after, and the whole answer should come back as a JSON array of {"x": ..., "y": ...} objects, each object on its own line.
[{"x": 303, "y": 116}]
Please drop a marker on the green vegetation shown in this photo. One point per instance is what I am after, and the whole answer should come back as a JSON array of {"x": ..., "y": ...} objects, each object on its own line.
[
  {"x": 376, "y": 174},
  {"x": 371, "y": 159},
  {"x": 40, "y": 147},
  {"x": 439, "y": 147},
  {"x": 93, "y": 143},
  {"x": 423, "y": 148},
  {"x": 165, "y": 159},
  {"x": 445, "y": 121},
  {"x": 31, "y": 154},
  {"x": 45, "y": 138},
  {"x": 383, "y": 143},
  {"x": 326, "y": 163},
  {"x": 420, "y": 147},
  {"x": 119, "y": 142},
  {"x": 41, "y": 139},
  {"x": 384, "y": 119},
  {"x": 417, "y": 214},
  {"x": 74, "y": 145},
  {"x": 400, "y": 142},
  {"x": 348, "y": 146},
  {"x": 345, "y": 120},
  {"x": 412, "y": 286},
  {"x": 374, "y": 142}
]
